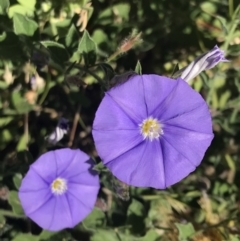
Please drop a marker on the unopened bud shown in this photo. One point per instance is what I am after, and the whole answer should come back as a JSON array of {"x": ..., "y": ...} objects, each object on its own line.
[
  {"x": 201, "y": 63},
  {"x": 59, "y": 132},
  {"x": 127, "y": 44},
  {"x": 130, "y": 42}
]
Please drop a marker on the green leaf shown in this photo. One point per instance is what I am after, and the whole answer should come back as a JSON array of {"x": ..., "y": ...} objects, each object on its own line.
[
  {"x": 28, "y": 4},
  {"x": 17, "y": 179},
  {"x": 138, "y": 68},
  {"x": 88, "y": 49},
  {"x": 135, "y": 216},
  {"x": 104, "y": 235},
  {"x": 25, "y": 237},
  {"x": 224, "y": 99},
  {"x": 2, "y": 221},
  {"x": 3, "y": 85},
  {"x": 151, "y": 235},
  {"x": 22, "y": 144},
  {"x": 94, "y": 219},
  {"x": 72, "y": 37},
  {"x": 19, "y": 103},
  {"x": 3, "y": 36},
  {"x": 57, "y": 51},
  {"x": 136, "y": 208},
  {"x": 185, "y": 231},
  {"x": 235, "y": 239},
  {"x": 23, "y": 25},
  {"x": 5, "y": 120},
  {"x": 45, "y": 235},
  {"x": 4, "y": 5},
  {"x": 99, "y": 36},
  {"x": 17, "y": 8},
  {"x": 123, "y": 10},
  {"x": 24, "y": 7},
  {"x": 15, "y": 203}
]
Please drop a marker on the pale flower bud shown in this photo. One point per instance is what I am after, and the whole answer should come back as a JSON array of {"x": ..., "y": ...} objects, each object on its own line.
[
  {"x": 201, "y": 63},
  {"x": 59, "y": 132}
]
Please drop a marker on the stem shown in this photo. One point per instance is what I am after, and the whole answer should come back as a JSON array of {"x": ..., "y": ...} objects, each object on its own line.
[
  {"x": 90, "y": 72},
  {"x": 26, "y": 131},
  {"x": 233, "y": 26},
  {"x": 82, "y": 124},
  {"x": 230, "y": 8},
  {"x": 113, "y": 56},
  {"x": 74, "y": 127},
  {"x": 46, "y": 90}
]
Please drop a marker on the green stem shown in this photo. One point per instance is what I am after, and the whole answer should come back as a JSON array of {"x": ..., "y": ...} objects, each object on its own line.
[
  {"x": 113, "y": 56},
  {"x": 233, "y": 26},
  {"x": 230, "y": 8},
  {"x": 82, "y": 124},
  {"x": 46, "y": 90},
  {"x": 90, "y": 72}
]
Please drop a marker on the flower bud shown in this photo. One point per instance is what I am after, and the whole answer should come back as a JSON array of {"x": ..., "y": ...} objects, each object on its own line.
[
  {"x": 59, "y": 132},
  {"x": 201, "y": 63}
]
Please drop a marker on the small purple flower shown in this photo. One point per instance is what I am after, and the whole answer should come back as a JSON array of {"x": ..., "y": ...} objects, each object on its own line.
[
  {"x": 201, "y": 63},
  {"x": 152, "y": 131},
  {"x": 59, "y": 132},
  {"x": 60, "y": 189}
]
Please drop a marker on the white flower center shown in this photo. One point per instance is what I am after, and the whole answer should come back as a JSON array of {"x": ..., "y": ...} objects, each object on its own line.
[
  {"x": 151, "y": 128},
  {"x": 59, "y": 186}
]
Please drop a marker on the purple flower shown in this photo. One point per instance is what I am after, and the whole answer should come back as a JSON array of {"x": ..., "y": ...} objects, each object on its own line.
[
  {"x": 152, "y": 131},
  {"x": 201, "y": 63},
  {"x": 60, "y": 189}
]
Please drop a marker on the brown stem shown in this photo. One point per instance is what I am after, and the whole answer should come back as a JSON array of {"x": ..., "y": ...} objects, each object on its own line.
[
  {"x": 26, "y": 131},
  {"x": 74, "y": 126}
]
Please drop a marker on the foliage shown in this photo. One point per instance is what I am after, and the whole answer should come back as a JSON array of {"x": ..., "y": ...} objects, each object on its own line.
[{"x": 69, "y": 49}]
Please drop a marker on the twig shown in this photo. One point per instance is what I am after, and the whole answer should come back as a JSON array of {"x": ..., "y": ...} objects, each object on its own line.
[
  {"x": 51, "y": 111},
  {"x": 46, "y": 89},
  {"x": 26, "y": 131},
  {"x": 74, "y": 126}
]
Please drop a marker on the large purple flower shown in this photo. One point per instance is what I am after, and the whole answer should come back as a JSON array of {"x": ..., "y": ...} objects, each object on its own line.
[
  {"x": 152, "y": 131},
  {"x": 60, "y": 189}
]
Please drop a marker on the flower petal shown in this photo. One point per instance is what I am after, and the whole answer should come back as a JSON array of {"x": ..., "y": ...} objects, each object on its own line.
[
  {"x": 62, "y": 211},
  {"x": 80, "y": 162},
  {"x": 111, "y": 144},
  {"x": 33, "y": 200},
  {"x": 43, "y": 216},
  {"x": 156, "y": 89},
  {"x": 78, "y": 210},
  {"x": 142, "y": 166},
  {"x": 176, "y": 165},
  {"x": 46, "y": 167},
  {"x": 87, "y": 195},
  {"x": 33, "y": 182},
  {"x": 190, "y": 144},
  {"x": 198, "y": 120},
  {"x": 110, "y": 116},
  {"x": 181, "y": 100},
  {"x": 67, "y": 160},
  {"x": 130, "y": 97},
  {"x": 84, "y": 179}
]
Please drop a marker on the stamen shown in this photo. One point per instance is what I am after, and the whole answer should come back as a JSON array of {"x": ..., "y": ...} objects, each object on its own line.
[
  {"x": 59, "y": 186},
  {"x": 151, "y": 128}
]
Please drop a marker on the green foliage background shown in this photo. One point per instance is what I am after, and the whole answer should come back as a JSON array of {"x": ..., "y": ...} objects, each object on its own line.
[{"x": 72, "y": 74}]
